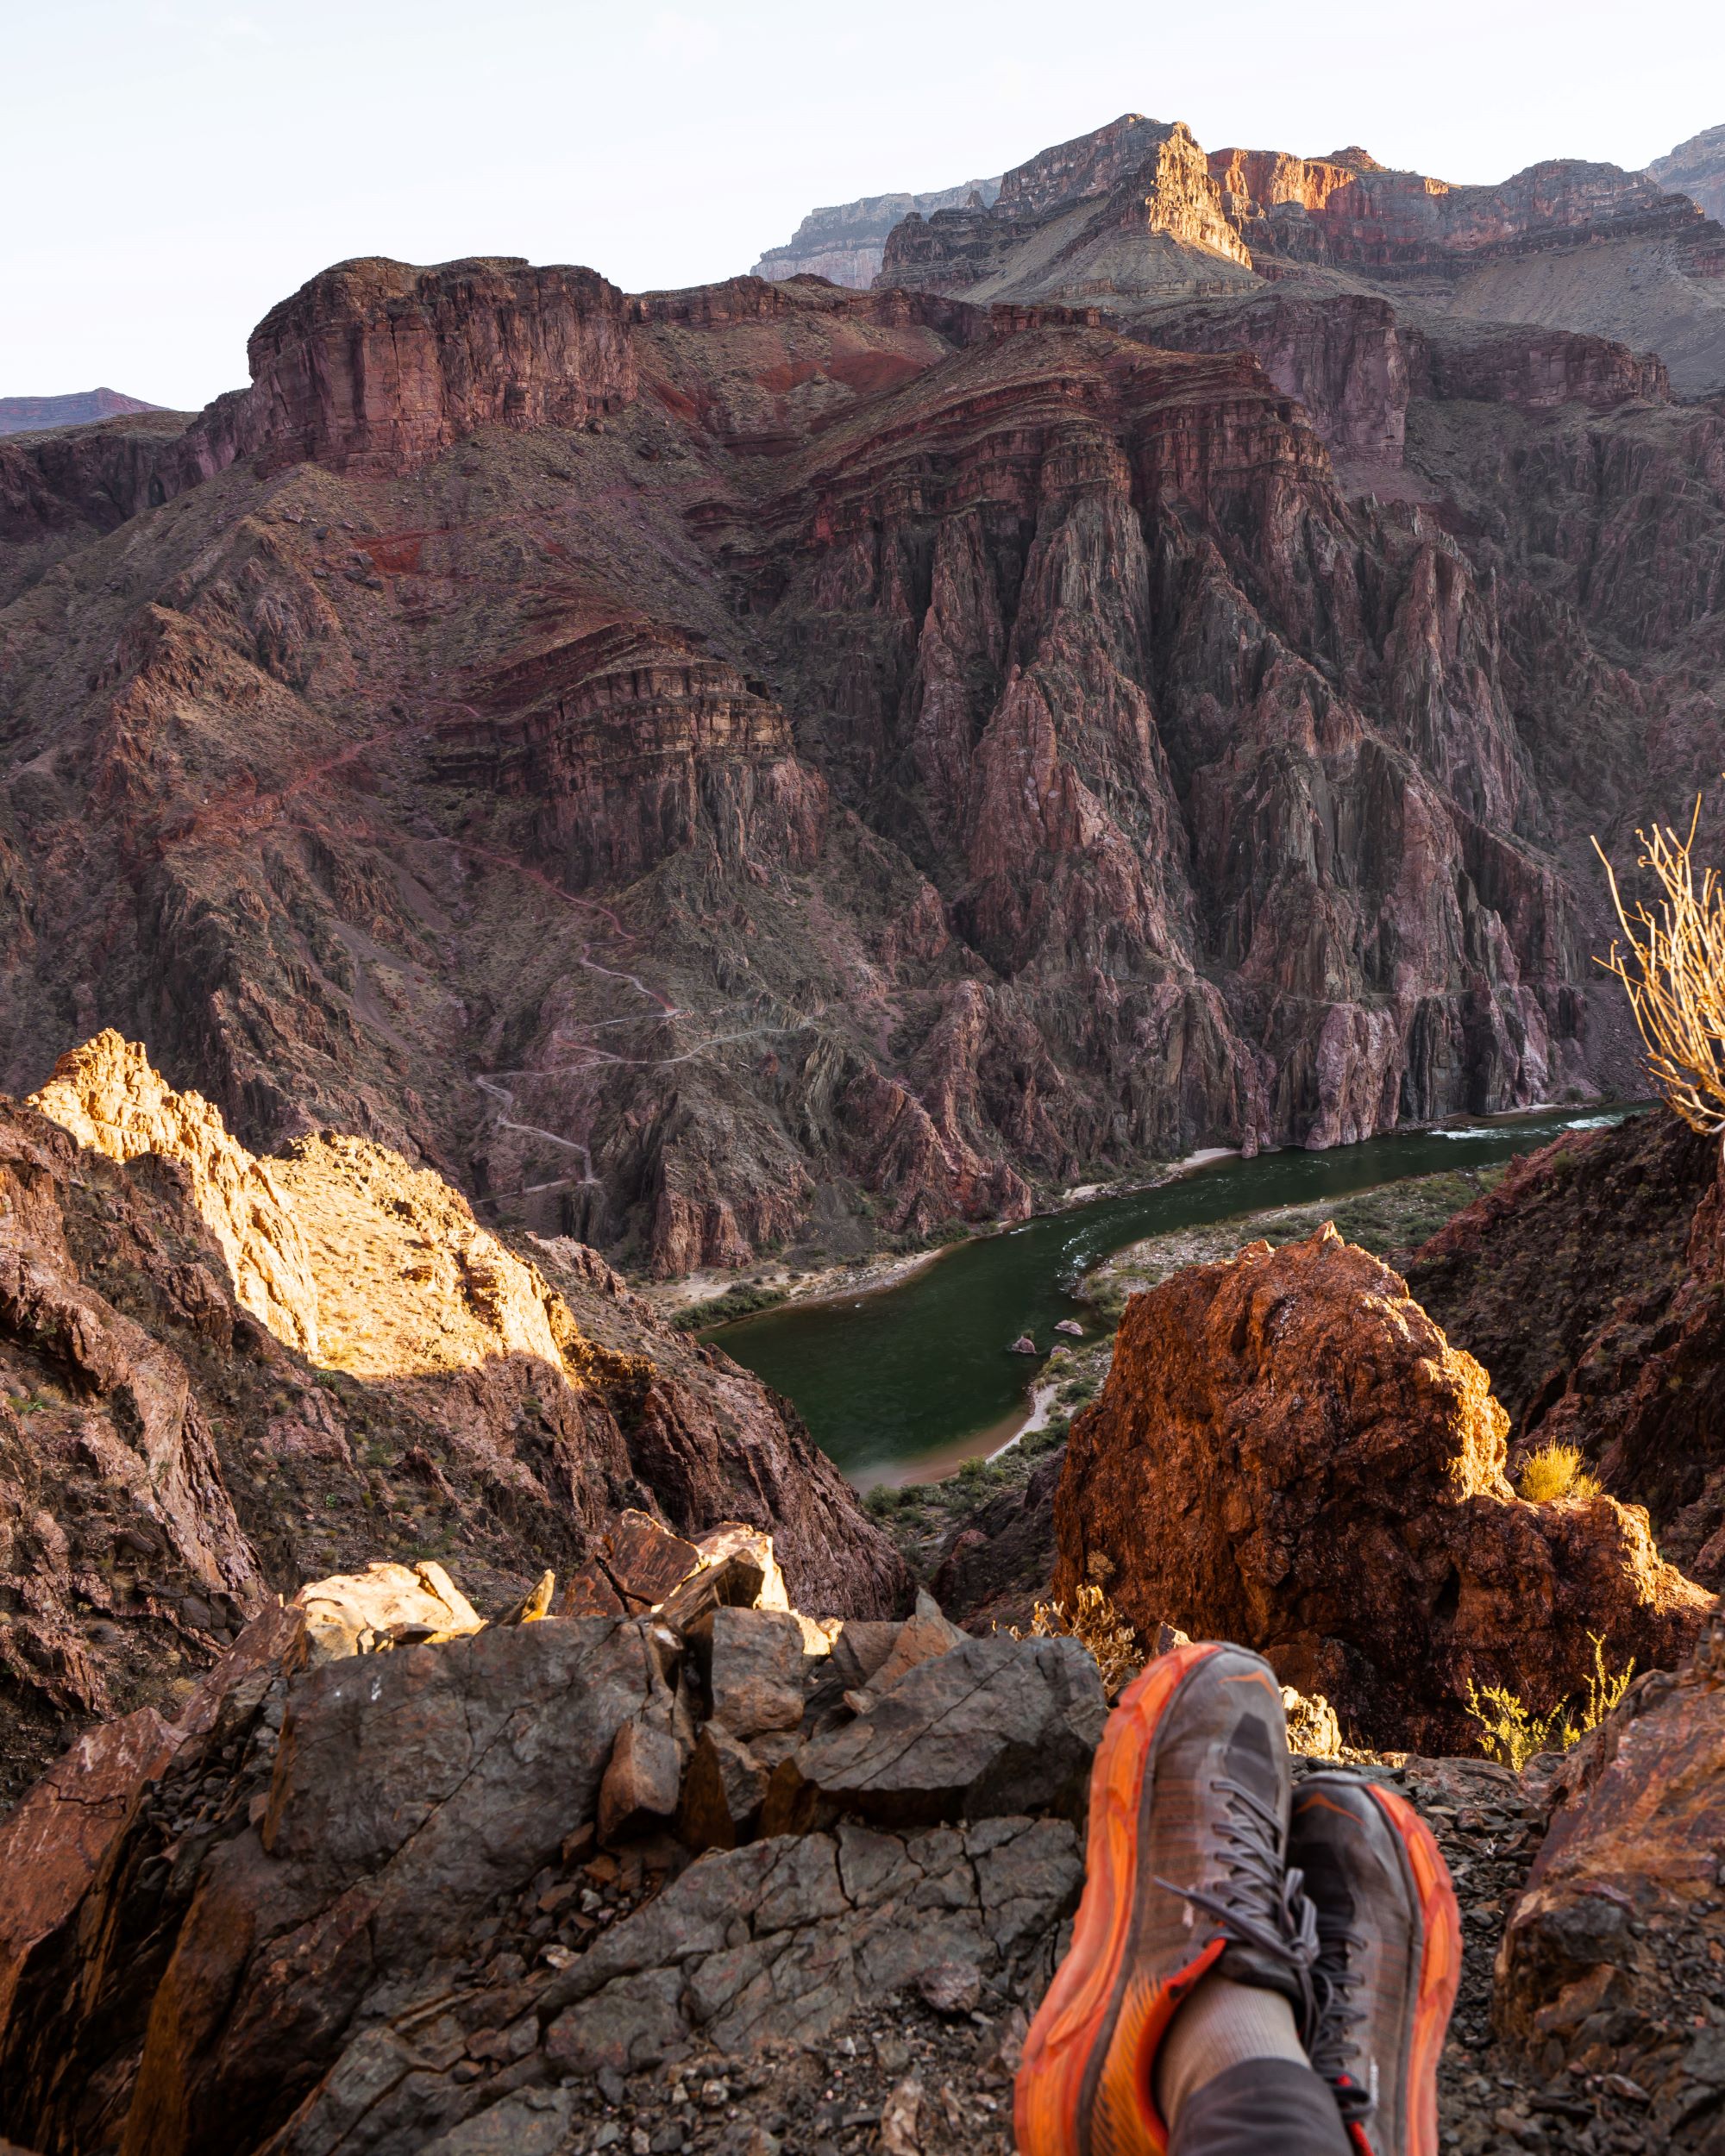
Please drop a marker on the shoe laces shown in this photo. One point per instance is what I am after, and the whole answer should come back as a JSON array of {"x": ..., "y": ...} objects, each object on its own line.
[
  {"x": 1333, "y": 2047},
  {"x": 1261, "y": 1904}
]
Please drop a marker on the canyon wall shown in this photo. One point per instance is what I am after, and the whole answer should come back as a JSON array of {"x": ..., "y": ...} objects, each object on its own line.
[{"x": 770, "y": 765}]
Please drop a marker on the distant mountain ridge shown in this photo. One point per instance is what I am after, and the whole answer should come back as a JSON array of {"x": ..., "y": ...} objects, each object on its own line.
[
  {"x": 1138, "y": 215},
  {"x": 844, "y": 243},
  {"x": 1696, "y": 168},
  {"x": 32, "y": 415}
]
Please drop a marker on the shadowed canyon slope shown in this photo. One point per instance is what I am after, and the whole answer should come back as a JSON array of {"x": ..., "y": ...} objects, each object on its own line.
[{"x": 690, "y": 767}]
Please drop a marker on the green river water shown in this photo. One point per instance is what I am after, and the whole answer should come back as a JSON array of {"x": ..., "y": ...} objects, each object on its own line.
[{"x": 922, "y": 1371}]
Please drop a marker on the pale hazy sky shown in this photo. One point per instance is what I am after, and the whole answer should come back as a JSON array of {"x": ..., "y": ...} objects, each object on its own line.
[{"x": 169, "y": 172}]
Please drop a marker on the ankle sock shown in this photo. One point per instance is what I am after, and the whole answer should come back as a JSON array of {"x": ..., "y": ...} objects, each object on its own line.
[{"x": 1222, "y": 2025}]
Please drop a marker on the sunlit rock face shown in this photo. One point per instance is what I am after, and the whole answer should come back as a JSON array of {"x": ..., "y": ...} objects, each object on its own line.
[
  {"x": 1287, "y": 1452},
  {"x": 220, "y": 1373}
]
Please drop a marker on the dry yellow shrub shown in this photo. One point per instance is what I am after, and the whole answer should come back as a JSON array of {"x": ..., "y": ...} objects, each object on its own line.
[{"x": 1555, "y": 1470}]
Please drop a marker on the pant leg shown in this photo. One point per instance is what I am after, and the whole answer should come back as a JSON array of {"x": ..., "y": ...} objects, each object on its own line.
[{"x": 1262, "y": 2107}]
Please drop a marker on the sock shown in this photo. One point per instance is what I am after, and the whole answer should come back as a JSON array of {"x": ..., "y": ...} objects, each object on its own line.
[{"x": 1221, "y": 2025}]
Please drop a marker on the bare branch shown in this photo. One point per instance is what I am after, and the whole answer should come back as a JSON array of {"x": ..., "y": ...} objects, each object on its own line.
[{"x": 1671, "y": 964}]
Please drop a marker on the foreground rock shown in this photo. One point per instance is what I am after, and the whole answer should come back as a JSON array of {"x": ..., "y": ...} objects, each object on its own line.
[
  {"x": 1625, "y": 1905},
  {"x": 220, "y": 1374},
  {"x": 355, "y": 1902},
  {"x": 1287, "y": 1452},
  {"x": 1589, "y": 1284},
  {"x": 352, "y": 1899}
]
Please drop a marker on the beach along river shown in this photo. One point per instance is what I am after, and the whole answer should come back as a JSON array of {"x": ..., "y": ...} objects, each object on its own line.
[{"x": 923, "y": 1372}]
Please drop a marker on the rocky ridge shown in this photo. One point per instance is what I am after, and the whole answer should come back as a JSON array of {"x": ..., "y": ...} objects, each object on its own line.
[
  {"x": 845, "y": 242},
  {"x": 29, "y": 415},
  {"x": 220, "y": 1374},
  {"x": 1696, "y": 168},
  {"x": 1136, "y": 214}
]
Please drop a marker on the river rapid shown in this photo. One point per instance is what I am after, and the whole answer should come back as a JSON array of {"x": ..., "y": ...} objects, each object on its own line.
[{"x": 922, "y": 1372}]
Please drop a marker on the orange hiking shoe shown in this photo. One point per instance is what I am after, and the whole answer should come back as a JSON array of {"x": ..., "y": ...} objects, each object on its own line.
[
  {"x": 1190, "y": 1802},
  {"x": 1388, "y": 1960}
]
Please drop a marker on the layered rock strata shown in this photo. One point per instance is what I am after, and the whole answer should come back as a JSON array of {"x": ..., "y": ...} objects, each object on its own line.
[
  {"x": 720, "y": 768},
  {"x": 1287, "y": 1452},
  {"x": 1135, "y": 215}
]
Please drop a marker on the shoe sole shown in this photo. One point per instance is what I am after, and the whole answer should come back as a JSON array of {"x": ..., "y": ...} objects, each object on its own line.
[
  {"x": 1083, "y": 2089},
  {"x": 1438, "y": 1967}
]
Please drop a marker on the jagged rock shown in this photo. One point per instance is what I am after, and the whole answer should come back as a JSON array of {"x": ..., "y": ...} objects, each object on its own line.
[
  {"x": 1289, "y": 1453},
  {"x": 723, "y": 1791},
  {"x": 951, "y": 1738},
  {"x": 167, "y": 1459},
  {"x": 54, "y": 1844},
  {"x": 925, "y": 1633},
  {"x": 636, "y": 1563},
  {"x": 752, "y": 1662},
  {"x": 1606, "y": 1956},
  {"x": 398, "y": 1604},
  {"x": 1313, "y": 1728},
  {"x": 643, "y": 1778}
]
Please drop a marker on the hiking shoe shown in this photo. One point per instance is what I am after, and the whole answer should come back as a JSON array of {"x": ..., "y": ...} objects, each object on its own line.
[
  {"x": 1389, "y": 1958},
  {"x": 1189, "y": 1801}
]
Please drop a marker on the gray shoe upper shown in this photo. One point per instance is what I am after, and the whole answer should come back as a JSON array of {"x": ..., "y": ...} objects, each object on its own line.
[
  {"x": 1216, "y": 1827},
  {"x": 1369, "y": 1951}
]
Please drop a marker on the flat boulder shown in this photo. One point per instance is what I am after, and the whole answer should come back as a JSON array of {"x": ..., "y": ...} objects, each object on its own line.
[{"x": 993, "y": 1725}]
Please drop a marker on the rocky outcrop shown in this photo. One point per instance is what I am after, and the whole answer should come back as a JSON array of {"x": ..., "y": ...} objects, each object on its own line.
[
  {"x": 373, "y": 366},
  {"x": 1588, "y": 1283},
  {"x": 844, "y": 243},
  {"x": 302, "y": 1905},
  {"x": 218, "y": 1373},
  {"x": 1287, "y": 1452},
  {"x": 1621, "y": 1922},
  {"x": 1696, "y": 168},
  {"x": 29, "y": 415}
]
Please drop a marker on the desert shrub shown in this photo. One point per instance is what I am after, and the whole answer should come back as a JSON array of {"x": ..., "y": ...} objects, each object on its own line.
[
  {"x": 1096, "y": 1624},
  {"x": 1555, "y": 1470},
  {"x": 741, "y": 1302},
  {"x": 1671, "y": 964},
  {"x": 1512, "y": 1733}
]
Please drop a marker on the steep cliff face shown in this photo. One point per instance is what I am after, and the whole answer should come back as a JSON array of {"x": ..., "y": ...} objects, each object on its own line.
[
  {"x": 694, "y": 767},
  {"x": 845, "y": 242}
]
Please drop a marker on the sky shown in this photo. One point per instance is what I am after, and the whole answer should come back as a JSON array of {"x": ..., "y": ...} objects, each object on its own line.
[{"x": 173, "y": 170}]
